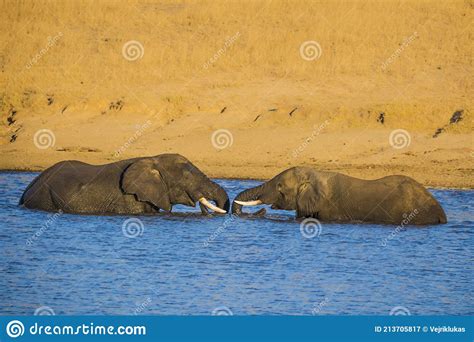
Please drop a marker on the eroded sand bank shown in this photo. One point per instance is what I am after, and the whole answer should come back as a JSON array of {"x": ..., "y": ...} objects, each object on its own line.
[{"x": 105, "y": 81}]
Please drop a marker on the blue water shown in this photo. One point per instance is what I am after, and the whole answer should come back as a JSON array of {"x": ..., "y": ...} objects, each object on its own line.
[{"x": 187, "y": 264}]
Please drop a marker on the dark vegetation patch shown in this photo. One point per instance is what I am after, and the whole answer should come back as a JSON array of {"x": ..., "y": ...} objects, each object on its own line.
[
  {"x": 50, "y": 99},
  {"x": 292, "y": 111},
  {"x": 455, "y": 118},
  {"x": 381, "y": 118},
  {"x": 117, "y": 105}
]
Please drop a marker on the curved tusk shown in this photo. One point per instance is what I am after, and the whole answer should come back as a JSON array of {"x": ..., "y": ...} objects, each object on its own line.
[
  {"x": 211, "y": 206},
  {"x": 257, "y": 202}
]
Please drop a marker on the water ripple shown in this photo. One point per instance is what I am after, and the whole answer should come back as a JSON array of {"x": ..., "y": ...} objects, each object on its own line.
[{"x": 189, "y": 264}]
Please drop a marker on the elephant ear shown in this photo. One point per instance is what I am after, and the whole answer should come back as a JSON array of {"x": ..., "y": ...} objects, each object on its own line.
[
  {"x": 145, "y": 181},
  {"x": 307, "y": 200}
]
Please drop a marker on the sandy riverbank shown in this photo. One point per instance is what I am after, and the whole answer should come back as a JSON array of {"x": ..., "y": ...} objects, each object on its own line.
[{"x": 237, "y": 88}]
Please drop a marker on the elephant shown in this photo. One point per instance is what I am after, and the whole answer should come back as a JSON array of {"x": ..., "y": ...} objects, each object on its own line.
[
  {"x": 133, "y": 186},
  {"x": 332, "y": 196}
]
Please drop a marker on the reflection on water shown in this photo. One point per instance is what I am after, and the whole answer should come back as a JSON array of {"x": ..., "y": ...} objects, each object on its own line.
[{"x": 188, "y": 264}]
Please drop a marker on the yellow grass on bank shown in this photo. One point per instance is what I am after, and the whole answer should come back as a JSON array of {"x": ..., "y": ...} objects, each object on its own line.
[{"x": 110, "y": 80}]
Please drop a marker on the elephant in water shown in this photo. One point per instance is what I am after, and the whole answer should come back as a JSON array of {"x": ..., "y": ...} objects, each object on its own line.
[
  {"x": 133, "y": 186},
  {"x": 331, "y": 196}
]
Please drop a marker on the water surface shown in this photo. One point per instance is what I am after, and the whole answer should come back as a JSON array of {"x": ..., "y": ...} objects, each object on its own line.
[{"x": 187, "y": 264}]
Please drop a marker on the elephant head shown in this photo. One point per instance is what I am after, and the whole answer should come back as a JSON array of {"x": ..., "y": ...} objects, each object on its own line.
[
  {"x": 290, "y": 190},
  {"x": 170, "y": 179}
]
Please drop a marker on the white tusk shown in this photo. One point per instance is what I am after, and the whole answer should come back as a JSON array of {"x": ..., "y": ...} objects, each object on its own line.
[
  {"x": 211, "y": 206},
  {"x": 257, "y": 202}
]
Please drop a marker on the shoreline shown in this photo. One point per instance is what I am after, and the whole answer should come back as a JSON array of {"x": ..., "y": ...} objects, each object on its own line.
[
  {"x": 254, "y": 179},
  {"x": 260, "y": 153},
  {"x": 441, "y": 178},
  {"x": 250, "y": 102}
]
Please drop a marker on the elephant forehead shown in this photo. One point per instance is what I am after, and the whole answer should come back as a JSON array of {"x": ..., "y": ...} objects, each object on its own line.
[
  {"x": 182, "y": 170},
  {"x": 292, "y": 178},
  {"x": 171, "y": 157},
  {"x": 289, "y": 185}
]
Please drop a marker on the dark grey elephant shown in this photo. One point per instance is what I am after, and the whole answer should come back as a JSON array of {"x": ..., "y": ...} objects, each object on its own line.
[
  {"x": 331, "y": 196},
  {"x": 133, "y": 186}
]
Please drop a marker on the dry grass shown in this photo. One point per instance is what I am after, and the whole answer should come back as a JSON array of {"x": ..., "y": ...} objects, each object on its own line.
[{"x": 367, "y": 66}]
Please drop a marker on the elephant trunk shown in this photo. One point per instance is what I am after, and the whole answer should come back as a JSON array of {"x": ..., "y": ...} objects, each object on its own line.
[
  {"x": 220, "y": 197},
  {"x": 244, "y": 196}
]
